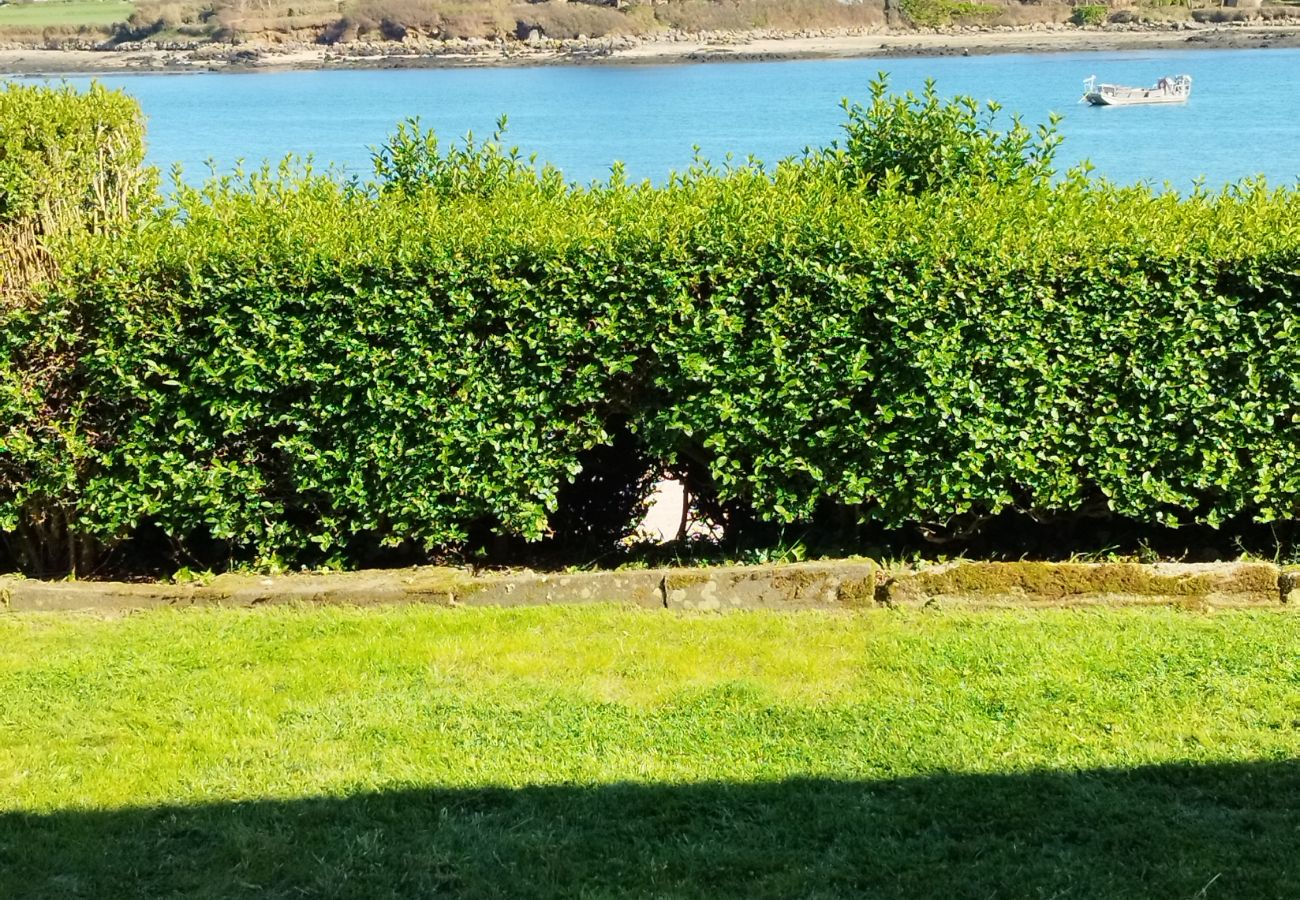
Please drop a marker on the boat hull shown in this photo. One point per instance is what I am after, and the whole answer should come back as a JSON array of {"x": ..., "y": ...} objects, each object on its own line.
[{"x": 1096, "y": 98}]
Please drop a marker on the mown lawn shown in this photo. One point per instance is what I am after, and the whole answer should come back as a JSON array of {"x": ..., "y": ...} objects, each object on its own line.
[
  {"x": 65, "y": 12},
  {"x": 601, "y": 752}
]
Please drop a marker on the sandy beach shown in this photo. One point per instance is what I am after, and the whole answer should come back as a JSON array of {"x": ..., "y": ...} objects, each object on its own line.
[{"x": 678, "y": 49}]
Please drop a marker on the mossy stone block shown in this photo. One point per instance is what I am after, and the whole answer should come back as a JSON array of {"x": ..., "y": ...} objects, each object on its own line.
[{"x": 1065, "y": 584}]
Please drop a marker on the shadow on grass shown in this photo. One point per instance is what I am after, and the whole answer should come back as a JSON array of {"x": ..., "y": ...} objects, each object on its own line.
[{"x": 1174, "y": 832}]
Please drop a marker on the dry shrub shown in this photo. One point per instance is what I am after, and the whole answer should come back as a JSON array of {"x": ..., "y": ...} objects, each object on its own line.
[
  {"x": 53, "y": 35},
  {"x": 390, "y": 15},
  {"x": 701, "y": 15},
  {"x": 802, "y": 14},
  {"x": 1222, "y": 15},
  {"x": 1032, "y": 14},
  {"x": 287, "y": 24},
  {"x": 642, "y": 18},
  {"x": 1162, "y": 13},
  {"x": 289, "y": 17},
  {"x": 569, "y": 20},
  {"x": 173, "y": 15},
  {"x": 464, "y": 20},
  {"x": 151, "y": 17},
  {"x": 782, "y": 15},
  {"x": 272, "y": 9},
  {"x": 1144, "y": 15},
  {"x": 1274, "y": 13},
  {"x": 396, "y": 19},
  {"x": 24, "y": 261}
]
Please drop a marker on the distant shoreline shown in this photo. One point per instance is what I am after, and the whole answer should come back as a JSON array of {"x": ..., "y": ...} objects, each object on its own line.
[{"x": 746, "y": 47}]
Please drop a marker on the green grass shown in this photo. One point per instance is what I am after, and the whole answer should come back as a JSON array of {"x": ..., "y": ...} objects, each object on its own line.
[
  {"x": 65, "y": 12},
  {"x": 599, "y": 752}
]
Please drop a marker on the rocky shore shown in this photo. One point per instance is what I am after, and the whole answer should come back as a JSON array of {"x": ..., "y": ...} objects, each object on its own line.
[{"x": 667, "y": 48}]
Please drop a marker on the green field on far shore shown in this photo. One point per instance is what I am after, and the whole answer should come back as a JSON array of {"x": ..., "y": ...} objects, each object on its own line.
[
  {"x": 607, "y": 752},
  {"x": 64, "y": 13}
]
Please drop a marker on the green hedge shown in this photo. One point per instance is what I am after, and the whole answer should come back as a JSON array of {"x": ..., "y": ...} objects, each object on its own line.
[{"x": 301, "y": 369}]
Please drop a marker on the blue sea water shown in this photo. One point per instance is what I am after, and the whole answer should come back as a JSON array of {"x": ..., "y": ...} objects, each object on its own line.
[{"x": 1243, "y": 118}]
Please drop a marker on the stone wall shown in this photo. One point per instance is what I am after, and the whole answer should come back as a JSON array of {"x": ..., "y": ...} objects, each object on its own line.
[{"x": 830, "y": 585}]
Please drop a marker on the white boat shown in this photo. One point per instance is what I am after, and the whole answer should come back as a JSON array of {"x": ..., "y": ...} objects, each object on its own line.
[{"x": 1173, "y": 89}]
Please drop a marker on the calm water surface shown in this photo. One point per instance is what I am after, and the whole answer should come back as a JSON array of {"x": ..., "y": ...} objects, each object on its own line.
[{"x": 1243, "y": 118}]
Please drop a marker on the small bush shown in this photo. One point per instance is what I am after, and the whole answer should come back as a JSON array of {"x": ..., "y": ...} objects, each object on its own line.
[
  {"x": 927, "y": 13},
  {"x": 1089, "y": 15},
  {"x": 966, "y": 13},
  {"x": 920, "y": 144},
  {"x": 413, "y": 163},
  {"x": 938, "y": 13}
]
